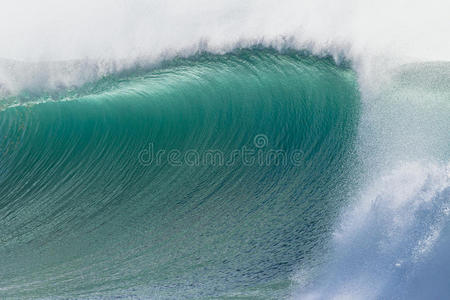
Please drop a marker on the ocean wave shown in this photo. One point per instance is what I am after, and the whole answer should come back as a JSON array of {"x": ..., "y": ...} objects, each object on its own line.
[{"x": 84, "y": 214}]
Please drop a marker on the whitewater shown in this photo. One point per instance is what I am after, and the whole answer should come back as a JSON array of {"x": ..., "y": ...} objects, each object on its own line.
[{"x": 116, "y": 117}]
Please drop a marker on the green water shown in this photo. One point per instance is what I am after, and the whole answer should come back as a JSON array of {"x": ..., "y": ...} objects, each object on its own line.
[{"x": 81, "y": 215}]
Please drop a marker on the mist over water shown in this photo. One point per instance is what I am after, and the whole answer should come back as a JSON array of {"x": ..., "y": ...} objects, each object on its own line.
[
  {"x": 108, "y": 37},
  {"x": 361, "y": 89},
  {"x": 390, "y": 241}
]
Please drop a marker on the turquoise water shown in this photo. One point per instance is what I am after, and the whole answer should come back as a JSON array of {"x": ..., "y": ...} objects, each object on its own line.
[
  {"x": 256, "y": 174},
  {"x": 83, "y": 215}
]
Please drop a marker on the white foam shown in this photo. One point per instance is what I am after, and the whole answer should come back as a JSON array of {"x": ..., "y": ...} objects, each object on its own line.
[
  {"x": 386, "y": 236},
  {"x": 120, "y": 32}
]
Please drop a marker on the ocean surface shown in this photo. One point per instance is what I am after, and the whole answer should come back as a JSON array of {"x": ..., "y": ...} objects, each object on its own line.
[{"x": 251, "y": 171}]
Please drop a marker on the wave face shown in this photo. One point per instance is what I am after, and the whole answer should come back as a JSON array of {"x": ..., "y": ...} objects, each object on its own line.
[{"x": 87, "y": 210}]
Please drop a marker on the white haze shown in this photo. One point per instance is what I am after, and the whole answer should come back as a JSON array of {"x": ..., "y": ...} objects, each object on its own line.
[
  {"x": 63, "y": 30},
  {"x": 107, "y": 36}
]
